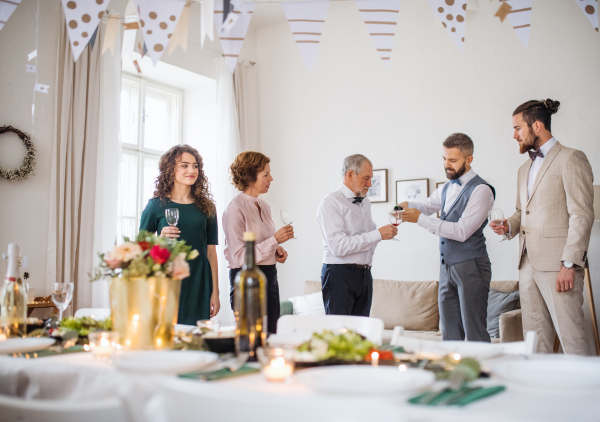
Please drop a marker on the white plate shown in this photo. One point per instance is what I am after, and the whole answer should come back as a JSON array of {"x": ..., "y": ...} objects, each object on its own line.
[
  {"x": 24, "y": 345},
  {"x": 365, "y": 379},
  {"x": 165, "y": 362},
  {"x": 567, "y": 374},
  {"x": 470, "y": 349},
  {"x": 288, "y": 340}
]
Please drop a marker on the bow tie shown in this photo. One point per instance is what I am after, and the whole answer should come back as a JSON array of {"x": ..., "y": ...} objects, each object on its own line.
[
  {"x": 358, "y": 199},
  {"x": 456, "y": 181},
  {"x": 535, "y": 153}
]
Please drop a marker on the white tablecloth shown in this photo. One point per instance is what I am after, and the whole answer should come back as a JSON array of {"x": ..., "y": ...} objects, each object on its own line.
[{"x": 252, "y": 398}]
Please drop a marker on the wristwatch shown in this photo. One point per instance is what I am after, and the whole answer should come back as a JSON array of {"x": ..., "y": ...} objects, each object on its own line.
[{"x": 567, "y": 264}]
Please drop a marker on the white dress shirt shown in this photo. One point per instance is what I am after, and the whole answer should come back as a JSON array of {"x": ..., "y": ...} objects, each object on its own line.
[
  {"x": 349, "y": 233},
  {"x": 537, "y": 164},
  {"x": 475, "y": 213}
]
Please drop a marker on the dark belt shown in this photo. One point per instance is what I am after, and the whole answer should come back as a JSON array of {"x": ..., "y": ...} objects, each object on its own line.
[{"x": 363, "y": 266}]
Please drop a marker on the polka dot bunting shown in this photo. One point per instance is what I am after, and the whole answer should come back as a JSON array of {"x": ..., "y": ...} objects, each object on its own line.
[
  {"x": 452, "y": 14},
  {"x": 590, "y": 9},
  {"x": 159, "y": 19},
  {"x": 82, "y": 17}
]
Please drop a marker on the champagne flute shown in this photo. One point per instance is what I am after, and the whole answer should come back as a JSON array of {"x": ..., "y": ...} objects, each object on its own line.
[
  {"x": 62, "y": 293},
  {"x": 497, "y": 216},
  {"x": 395, "y": 218},
  {"x": 287, "y": 216},
  {"x": 172, "y": 215}
]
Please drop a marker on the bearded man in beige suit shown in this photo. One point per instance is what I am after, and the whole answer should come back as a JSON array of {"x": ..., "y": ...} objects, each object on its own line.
[{"x": 554, "y": 218}]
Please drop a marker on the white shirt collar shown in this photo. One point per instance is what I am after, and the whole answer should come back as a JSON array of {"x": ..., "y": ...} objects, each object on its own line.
[
  {"x": 466, "y": 178},
  {"x": 346, "y": 191},
  {"x": 544, "y": 149}
]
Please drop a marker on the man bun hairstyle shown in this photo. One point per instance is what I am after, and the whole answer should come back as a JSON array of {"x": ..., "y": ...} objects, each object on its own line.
[
  {"x": 538, "y": 111},
  {"x": 460, "y": 141}
]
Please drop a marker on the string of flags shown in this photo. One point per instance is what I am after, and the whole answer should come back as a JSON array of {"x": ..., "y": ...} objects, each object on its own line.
[{"x": 165, "y": 23}]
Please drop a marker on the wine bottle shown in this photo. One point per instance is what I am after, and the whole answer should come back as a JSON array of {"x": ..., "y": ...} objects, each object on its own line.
[
  {"x": 13, "y": 298},
  {"x": 250, "y": 303}
]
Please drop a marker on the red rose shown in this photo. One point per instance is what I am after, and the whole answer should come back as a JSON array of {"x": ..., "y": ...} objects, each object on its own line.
[
  {"x": 160, "y": 255},
  {"x": 144, "y": 245}
]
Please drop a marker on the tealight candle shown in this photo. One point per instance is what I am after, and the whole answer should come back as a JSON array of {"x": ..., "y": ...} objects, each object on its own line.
[
  {"x": 402, "y": 368},
  {"x": 278, "y": 370},
  {"x": 374, "y": 359},
  {"x": 2, "y": 336},
  {"x": 103, "y": 343}
]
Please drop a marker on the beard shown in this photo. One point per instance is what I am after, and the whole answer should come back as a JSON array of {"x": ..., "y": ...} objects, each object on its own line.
[
  {"x": 529, "y": 143},
  {"x": 453, "y": 175}
]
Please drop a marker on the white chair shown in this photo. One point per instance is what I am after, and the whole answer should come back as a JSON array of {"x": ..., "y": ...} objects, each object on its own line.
[
  {"x": 371, "y": 328},
  {"x": 94, "y": 313}
]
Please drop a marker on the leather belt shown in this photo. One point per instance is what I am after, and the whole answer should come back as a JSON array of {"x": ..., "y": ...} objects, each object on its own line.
[{"x": 363, "y": 266}]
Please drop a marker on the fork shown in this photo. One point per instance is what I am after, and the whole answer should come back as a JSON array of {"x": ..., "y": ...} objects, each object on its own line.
[{"x": 456, "y": 381}]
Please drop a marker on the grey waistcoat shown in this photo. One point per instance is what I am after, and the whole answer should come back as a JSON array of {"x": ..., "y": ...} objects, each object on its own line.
[{"x": 453, "y": 251}]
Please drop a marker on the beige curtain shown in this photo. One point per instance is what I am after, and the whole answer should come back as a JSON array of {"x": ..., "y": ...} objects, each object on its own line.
[
  {"x": 246, "y": 101},
  {"x": 73, "y": 176}
]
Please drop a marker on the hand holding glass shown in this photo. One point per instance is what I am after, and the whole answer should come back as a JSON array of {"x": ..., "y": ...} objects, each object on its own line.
[
  {"x": 62, "y": 293},
  {"x": 496, "y": 216},
  {"x": 287, "y": 217},
  {"x": 396, "y": 219}
]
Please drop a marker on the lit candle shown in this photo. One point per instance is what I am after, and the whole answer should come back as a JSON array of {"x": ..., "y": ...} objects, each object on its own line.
[
  {"x": 2, "y": 336},
  {"x": 374, "y": 359},
  {"x": 278, "y": 370},
  {"x": 456, "y": 357},
  {"x": 102, "y": 344},
  {"x": 402, "y": 368}
]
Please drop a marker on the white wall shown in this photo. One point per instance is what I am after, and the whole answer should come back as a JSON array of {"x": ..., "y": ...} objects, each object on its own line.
[{"x": 399, "y": 116}]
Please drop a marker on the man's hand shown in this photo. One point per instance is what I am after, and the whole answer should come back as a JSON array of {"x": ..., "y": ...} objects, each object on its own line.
[
  {"x": 387, "y": 232},
  {"x": 500, "y": 229},
  {"x": 281, "y": 255},
  {"x": 565, "y": 280},
  {"x": 403, "y": 205},
  {"x": 411, "y": 215}
]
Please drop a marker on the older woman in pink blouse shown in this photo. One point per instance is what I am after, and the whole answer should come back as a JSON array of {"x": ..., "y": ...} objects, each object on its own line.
[{"x": 251, "y": 174}]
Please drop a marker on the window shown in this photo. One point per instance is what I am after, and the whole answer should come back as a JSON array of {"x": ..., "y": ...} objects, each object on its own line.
[{"x": 150, "y": 125}]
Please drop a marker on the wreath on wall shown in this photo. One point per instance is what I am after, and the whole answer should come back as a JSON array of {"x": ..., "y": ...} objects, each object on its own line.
[{"x": 28, "y": 167}]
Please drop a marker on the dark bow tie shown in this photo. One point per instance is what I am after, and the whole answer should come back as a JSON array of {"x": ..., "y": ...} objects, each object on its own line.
[
  {"x": 456, "y": 181},
  {"x": 535, "y": 153},
  {"x": 358, "y": 199}
]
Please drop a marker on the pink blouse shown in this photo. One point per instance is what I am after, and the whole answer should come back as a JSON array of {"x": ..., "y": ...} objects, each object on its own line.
[{"x": 242, "y": 215}]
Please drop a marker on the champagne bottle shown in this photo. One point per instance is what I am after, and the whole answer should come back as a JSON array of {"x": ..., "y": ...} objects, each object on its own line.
[
  {"x": 250, "y": 303},
  {"x": 13, "y": 298}
]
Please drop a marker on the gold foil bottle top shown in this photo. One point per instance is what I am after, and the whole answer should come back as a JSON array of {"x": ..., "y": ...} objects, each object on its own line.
[{"x": 249, "y": 237}]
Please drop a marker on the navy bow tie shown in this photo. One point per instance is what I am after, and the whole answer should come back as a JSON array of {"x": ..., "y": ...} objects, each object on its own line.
[
  {"x": 535, "y": 153},
  {"x": 358, "y": 199},
  {"x": 456, "y": 181}
]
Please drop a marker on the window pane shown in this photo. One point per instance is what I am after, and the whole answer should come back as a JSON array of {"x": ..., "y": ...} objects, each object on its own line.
[
  {"x": 128, "y": 192},
  {"x": 160, "y": 120},
  {"x": 150, "y": 174},
  {"x": 129, "y": 228},
  {"x": 129, "y": 112}
]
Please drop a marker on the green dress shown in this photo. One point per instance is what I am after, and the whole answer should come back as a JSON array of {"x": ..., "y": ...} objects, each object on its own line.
[{"x": 198, "y": 230}]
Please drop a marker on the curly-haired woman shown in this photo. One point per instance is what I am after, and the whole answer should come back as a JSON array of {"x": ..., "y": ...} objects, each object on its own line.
[
  {"x": 181, "y": 184},
  {"x": 251, "y": 174}
]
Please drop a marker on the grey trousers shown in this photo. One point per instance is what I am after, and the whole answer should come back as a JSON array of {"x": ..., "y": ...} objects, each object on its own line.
[{"x": 463, "y": 299}]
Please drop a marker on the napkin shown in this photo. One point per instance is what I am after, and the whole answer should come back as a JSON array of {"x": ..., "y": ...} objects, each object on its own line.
[
  {"x": 221, "y": 373},
  {"x": 465, "y": 395}
]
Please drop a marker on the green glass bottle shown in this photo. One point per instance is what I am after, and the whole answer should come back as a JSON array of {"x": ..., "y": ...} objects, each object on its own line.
[
  {"x": 250, "y": 303},
  {"x": 13, "y": 298}
]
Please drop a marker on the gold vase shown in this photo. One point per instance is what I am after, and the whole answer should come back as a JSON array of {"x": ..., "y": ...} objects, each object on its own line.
[{"x": 144, "y": 311}]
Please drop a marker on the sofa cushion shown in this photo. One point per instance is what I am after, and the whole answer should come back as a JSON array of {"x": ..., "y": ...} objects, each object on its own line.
[
  {"x": 411, "y": 304},
  {"x": 506, "y": 286},
  {"x": 312, "y": 287},
  {"x": 308, "y": 304},
  {"x": 499, "y": 303},
  {"x": 511, "y": 326}
]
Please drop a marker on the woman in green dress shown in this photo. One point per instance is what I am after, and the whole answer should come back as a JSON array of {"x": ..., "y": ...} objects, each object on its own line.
[{"x": 181, "y": 184}]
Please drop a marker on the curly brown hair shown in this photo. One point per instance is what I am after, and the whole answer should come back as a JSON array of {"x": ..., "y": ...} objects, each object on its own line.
[
  {"x": 245, "y": 168},
  {"x": 166, "y": 178}
]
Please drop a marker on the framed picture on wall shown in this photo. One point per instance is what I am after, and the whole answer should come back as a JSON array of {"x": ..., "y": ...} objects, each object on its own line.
[
  {"x": 415, "y": 190},
  {"x": 437, "y": 186},
  {"x": 378, "y": 192}
]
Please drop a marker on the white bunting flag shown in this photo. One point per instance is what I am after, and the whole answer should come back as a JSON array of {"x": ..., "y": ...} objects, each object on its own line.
[
  {"x": 232, "y": 41},
  {"x": 129, "y": 36},
  {"x": 7, "y": 7},
  {"x": 41, "y": 88},
  {"x": 158, "y": 19},
  {"x": 31, "y": 68},
  {"x": 32, "y": 55},
  {"x": 110, "y": 36},
  {"x": 306, "y": 20},
  {"x": 207, "y": 26},
  {"x": 82, "y": 18},
  {"x": 180, "y": 35},
  {"x": 520, "y": 18},
  {"x": 452, "y": 14},
  {"x": 590, "y": 8},
  {"x": 381, "y": 17}
]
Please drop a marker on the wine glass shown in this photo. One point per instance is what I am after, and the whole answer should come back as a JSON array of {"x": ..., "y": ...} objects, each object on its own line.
[
  {"x": 287, "y": 216},
  {"x": 62, "y": 293},
  {"x": 172, "y": 215},
  {"x": 395, "y": 218},
  {"x": 497, "y": 216}
]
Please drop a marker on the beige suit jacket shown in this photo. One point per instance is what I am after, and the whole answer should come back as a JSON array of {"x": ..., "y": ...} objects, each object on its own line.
[{"x": 556, "y": 220}]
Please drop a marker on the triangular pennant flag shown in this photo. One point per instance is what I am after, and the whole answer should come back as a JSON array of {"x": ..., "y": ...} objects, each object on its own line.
[
  {"x": 306, "y": 20},
  {"x": 180, "y": 36},
  {"x": 381, "y": 17},
  {"x": 7, "y": 7},
  {"x": 207, "y": 26},
  {"x": 158, "y": 19},
  {"x": 82, "y": 19},
  {"x": 590, "y": 8},
  {"x": 112, "y": 29},
  {"x": 232, "y": 41},
  {"x": 452, "y": 14},
  {"x": 93, "y": 39},
  {"x": 520, "y": 18}
]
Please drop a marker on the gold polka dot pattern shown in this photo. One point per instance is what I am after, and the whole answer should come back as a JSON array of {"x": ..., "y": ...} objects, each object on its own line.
[
  {"x": 82, "y": 17},
  {"x": 451, "y": 13},
  {"x": 159, "y": 19}
]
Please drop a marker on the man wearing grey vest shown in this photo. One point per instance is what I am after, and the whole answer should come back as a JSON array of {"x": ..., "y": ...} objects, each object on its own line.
[{"x": 465, "y": 270}]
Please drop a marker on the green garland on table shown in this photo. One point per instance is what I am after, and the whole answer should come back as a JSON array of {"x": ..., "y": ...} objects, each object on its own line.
[{"x": 28, "y": 167}]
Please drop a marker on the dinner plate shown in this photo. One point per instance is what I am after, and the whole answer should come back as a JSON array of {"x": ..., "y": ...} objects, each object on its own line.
[
  {"x": 288, "y": 340},
  {"x": 437, "y": 349},
  {"x": 165, "y": 361},
  {"x": 25, "y": 345},
  {"x": 365, "y": 379},
  {"x": 566, "y": 374}
]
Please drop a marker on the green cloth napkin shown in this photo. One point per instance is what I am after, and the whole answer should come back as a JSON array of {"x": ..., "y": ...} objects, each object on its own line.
[
  {"x": 47, "y": 352},
  {"x": 461, "y": 397},
  {"x": 220, "y": 374}
]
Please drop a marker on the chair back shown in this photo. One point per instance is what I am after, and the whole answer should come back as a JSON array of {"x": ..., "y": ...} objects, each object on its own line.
[
  {"x": 371, "y": 328},
  {"x": 94, "y": 313}
]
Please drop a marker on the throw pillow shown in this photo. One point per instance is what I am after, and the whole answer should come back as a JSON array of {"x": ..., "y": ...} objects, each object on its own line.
[
  {"x": 308, "y": 304},
  {"x": 499, "y": 303}
]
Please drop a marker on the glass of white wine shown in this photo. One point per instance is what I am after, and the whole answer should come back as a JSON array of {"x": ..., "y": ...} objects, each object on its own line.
[
  {"x": 287, "y": 217},
  {"x": 497, "y": 216},
  {"x": 172, "y": 216},
  {"x": 62, "y": 293}
]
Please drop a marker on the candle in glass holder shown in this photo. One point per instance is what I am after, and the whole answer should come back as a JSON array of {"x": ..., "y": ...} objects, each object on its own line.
[
  {"x": 2, "y": 336},
  {"x": 103, "y": 343},
  {"x": 278, "y": 370},
  {"x": 374, "y": 359}
]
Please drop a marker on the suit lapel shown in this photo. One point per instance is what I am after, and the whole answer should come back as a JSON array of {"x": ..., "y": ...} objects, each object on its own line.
[{"x": 547, "y": 161}]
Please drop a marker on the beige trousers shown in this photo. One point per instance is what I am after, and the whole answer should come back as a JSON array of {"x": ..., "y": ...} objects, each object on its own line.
[{"x": 548, "y": 312}]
